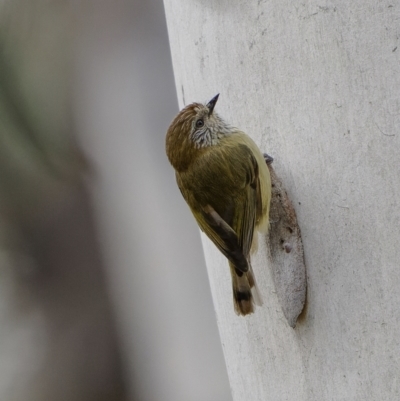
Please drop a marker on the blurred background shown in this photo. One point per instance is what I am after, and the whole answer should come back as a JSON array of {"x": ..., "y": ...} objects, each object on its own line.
[{"x": 103, "y": 289}]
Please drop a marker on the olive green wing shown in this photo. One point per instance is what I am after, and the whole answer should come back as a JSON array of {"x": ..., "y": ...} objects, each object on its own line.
[
  {"x": 248, "y": 205},
  {"x": 216, "y": 228},
  {"x": 232, "y": 235}
]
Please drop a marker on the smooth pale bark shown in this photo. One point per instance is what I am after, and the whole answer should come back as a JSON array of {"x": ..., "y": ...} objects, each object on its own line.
[{"x": 317, "y": 86}]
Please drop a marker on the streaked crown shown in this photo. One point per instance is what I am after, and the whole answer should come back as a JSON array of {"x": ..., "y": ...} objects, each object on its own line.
[{"x": 195, "y": 128}]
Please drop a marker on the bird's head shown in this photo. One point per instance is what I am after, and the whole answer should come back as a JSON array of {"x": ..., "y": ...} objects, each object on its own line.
[{"x": 196, "y": 127}]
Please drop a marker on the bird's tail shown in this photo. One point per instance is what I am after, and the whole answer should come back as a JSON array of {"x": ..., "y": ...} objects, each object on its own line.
[{"x": 245, "y": 291}]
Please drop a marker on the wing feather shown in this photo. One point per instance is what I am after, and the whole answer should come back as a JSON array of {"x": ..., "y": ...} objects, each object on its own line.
[{"x": 223, "y": 197}]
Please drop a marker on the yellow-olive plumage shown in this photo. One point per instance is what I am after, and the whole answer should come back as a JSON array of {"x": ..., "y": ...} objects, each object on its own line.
[{"x": 225, "y": 181}]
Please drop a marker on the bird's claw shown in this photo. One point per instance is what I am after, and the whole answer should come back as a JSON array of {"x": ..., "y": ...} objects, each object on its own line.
[{"x": 268, "y": 159}]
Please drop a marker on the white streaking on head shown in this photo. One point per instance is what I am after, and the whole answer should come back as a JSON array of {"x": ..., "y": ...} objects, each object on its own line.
[{"x": 213, "y": 129}]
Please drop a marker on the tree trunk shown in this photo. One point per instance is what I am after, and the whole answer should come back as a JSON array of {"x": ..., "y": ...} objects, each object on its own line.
[{"x": 316, "y": 85}]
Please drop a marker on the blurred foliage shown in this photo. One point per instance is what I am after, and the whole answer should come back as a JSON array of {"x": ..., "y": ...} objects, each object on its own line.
[
  {"x": 37, "y": 152},
  {"x": 40, "y": 163}
]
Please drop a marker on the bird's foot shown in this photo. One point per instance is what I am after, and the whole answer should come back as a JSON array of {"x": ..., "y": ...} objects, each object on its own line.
[{"x": 268, "y": 159}]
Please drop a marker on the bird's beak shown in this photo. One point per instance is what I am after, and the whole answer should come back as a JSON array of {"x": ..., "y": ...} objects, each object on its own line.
[{"x": 211, "y": 104}]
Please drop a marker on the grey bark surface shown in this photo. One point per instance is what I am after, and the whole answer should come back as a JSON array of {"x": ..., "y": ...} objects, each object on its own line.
[
  {"x": 317, "y": 86},
  {"x": 286, "y": 252}
]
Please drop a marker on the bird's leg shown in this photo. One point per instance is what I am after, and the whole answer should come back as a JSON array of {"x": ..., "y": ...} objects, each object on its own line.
[{"x": 268, "y": 159}]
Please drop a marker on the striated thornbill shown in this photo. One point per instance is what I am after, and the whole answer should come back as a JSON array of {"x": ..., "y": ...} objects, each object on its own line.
[{"x": 225, "y": 180}]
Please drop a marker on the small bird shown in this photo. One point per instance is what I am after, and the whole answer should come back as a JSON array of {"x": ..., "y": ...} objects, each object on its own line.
[{"x": 225, "y": 181}]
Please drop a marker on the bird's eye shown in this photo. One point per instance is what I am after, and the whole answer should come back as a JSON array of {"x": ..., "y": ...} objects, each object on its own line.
[{"x": 199, "y": 123}]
